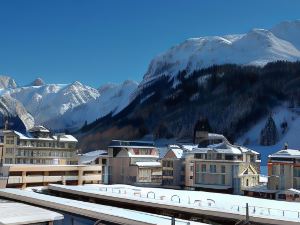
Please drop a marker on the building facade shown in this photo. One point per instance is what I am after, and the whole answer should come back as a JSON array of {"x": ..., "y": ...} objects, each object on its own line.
[
  {"x": 133, "y": 162},
  {"x": 38, "y": 146},
  {"x": 173, "y": 175},
  {"x": 284, "y": 174},
  {"x": 217, "y": 165},
  {"x": 28, "y": 175}
]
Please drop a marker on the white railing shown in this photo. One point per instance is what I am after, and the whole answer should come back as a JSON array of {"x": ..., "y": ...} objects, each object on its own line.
[{"x": 204, "y": 203}]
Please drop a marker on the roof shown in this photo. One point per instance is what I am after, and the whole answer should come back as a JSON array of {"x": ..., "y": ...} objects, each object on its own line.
[
  {"x": 65, "y": 138},
  {"x": 18, "y": 213},
  {"x": 39, "y": 129},
  {"x": 224, "y": 147},
  {"x": 148, "y": 164},
  {"x": 286, "y": 153},
  {"x": 137, "y": 144},
  {"x": 96, "y": 211},
  {"x": 91, "y": 156},
  {"x": 260, "y": 189},
  {"x": 269, "y": 211}
]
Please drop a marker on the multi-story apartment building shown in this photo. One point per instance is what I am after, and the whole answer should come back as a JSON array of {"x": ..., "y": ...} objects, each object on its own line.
[
  {"x": 284, "y": 174},
  {"x": 133, "y": 162},
  {"x": 173, "y": 167},
  {"x": 38, "y": 146},
  {"x": 217, "y": 165}
]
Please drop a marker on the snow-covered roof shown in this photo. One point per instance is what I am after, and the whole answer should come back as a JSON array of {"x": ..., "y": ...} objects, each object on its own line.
[
  {"x": 178, "y": 152},
  {"x": 162, "y": 151},
  {"x": 189, "y": 147},
  {"x": 17, "y": 213},
  {"x": 95, "y": 211},
  {"x": 132, "y": 144},
  {"x": 91, "y": 156},
  {"x": 39, "y": 129},
  {"x": 263, "y": 179},
  {"x": 28, "y": 136},
  {"x": 148, "y": 164},
  {"x": 286, "y": 153},
  {"x": 222, "y": 204},
  {"x": 65, "y": 138}
]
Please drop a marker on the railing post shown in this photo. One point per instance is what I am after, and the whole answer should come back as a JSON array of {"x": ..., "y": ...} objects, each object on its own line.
[
  {"x": 247, "y": 213},
  {"x": 173, "y": 220}
]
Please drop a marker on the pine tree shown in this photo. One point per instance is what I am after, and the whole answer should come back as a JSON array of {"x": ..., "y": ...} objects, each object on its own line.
[{"x": 269, "y": 134}]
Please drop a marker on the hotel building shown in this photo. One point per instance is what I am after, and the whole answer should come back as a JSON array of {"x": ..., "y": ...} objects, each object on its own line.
[
  {"x": 284, "y": 174},
  {"x": 217, "y": 165},
  {"x": 133, "y": 162},
  {"x": 38, "y": 146}
]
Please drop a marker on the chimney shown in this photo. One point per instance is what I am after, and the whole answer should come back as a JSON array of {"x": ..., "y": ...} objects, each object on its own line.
[
  {"x": 6, "y": 124},
  {"x": 286, "y": 145}
]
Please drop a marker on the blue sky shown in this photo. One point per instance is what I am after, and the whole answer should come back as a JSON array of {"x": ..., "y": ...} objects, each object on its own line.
[{"x": 97, "y": 41}]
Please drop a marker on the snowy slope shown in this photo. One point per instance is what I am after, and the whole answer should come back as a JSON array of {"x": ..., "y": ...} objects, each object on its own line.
[
  {"x": 113, "y": 98},
  {"x": 52, "y": 100},
  {"x": 280, "y": 114},
  {"x": 7, "y": 82},
  {"x": 10, "y": 107},
  {"x": 257, "y": 47}
]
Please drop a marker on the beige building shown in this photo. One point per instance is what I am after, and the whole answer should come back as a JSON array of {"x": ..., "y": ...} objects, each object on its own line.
[
  {"x": 173, "y": 175},
  {"x": 38, "y": 146},
  {"x": 284, "y": 174},
  {"x": 133, "y": 162},
  {"x": 217, "y": 165},
  {"x": 27, "y": 175}
]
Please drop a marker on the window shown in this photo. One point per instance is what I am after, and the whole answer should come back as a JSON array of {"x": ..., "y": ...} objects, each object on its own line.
[
  {"x": 192, "y": 168},
  {"x": 198, "y": 156},
  {"x": 228, "y": 157},
  {"x": 10, "y": 151},
  {"x": 281, "y": 169},
  {"x": 223, "y": 179},
  {"x": 296, "y": 172},
  {"x": 219, "y": 156},
  {"x": 223, "y": 169},
  {"x": 213, "y": 168},
  {"x": 8, "y": 160},
  {"x": 203, "y": 168}
]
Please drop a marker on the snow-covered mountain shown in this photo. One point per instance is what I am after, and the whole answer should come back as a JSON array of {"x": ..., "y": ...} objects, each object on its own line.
[
  {"x": 7, "y": 82},
  {"x": 12, "y": 108},
  {"x": 49, "y": 101},
  {"x": 61, "y": 106},
  {"x": 112, "y": 99},
  {"x": 257, "y": 47}
]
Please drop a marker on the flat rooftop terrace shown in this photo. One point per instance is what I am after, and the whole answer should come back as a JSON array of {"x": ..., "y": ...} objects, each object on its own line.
[
  {"x": 91, "y": 210},
  {"x": 195, "y": 202},
  {"x": 12, "y": 213}
]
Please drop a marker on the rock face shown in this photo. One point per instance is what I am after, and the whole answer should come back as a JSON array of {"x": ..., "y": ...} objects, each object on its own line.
[
  {"x": 15, "y": 113},
  {"x": 7, "y": 82},
  {"x": 37, "y": 82}
]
